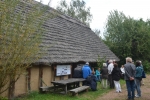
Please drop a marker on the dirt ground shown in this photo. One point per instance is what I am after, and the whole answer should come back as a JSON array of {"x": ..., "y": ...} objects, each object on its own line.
[{"x": 145, "y": 92}]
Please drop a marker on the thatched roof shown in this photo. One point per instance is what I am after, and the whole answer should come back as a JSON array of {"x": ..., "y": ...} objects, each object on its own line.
[{"x": 68, "y": 41}]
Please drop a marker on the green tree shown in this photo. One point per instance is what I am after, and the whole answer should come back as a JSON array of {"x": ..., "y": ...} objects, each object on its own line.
[
  {"x": 20, "y": 36},
  {"x": 126, "y": 36},
  {"x": 76, "y": 9},
  {"x": 97, "y": 32},
  {"x": 100, "y": 61}
]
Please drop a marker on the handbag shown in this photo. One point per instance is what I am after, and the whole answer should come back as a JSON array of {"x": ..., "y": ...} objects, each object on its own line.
[{"x": 143, "y": 74}]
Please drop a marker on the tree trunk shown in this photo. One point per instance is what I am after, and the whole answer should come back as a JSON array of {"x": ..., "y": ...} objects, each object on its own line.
[
  {"x": 11, "y": 89},
  {"x": 28, "y": 79}
]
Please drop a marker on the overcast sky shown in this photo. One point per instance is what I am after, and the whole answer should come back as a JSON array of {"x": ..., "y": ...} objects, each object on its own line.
[{"x": 100, "y": 9}]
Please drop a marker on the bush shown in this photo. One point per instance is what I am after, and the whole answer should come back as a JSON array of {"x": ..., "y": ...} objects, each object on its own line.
[
  {"x": 146, "y": 65},
  {"x": 3, "y": 98},
  {"x": 100, "y": 61}
]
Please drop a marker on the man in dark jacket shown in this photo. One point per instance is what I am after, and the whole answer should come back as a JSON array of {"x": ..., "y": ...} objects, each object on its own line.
[
  {"x": 91, "y": 81},
  {"x": 129, "y": 77},
  {"x": 116, "y": 75}
]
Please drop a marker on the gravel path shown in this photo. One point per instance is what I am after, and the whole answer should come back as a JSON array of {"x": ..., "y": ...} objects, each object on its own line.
[{"x": 112, "y": 95}]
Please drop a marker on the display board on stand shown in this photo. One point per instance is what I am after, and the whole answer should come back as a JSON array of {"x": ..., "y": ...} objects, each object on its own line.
[{"x": 63, "y": 70}]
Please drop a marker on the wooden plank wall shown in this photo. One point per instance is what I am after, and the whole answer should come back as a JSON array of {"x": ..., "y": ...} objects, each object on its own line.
[{"x": 31, "y": 80}]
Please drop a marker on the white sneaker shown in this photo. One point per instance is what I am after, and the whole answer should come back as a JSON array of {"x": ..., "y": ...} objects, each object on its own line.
[
  {"x": 137, "y": 96},
  {"x": 117, "y": 91}
]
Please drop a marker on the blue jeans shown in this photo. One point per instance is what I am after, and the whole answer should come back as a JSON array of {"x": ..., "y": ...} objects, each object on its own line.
[
  {"x": 137, "y": 86},
  {"x": 98, "y": 78},
  {"x": 130, "y": 88}
]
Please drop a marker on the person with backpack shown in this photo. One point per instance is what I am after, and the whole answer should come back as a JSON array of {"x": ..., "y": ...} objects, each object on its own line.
[{"x": 138, "y": 78}]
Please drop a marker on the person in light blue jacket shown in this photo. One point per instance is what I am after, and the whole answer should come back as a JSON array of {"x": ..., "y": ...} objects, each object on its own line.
[{"x": 97, "y": 73}]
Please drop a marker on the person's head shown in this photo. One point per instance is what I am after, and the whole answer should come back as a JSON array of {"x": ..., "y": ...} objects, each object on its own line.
[
  {"x": 104, "y": 64},
  {"x": 98, "y": 68},
  {"x": 138, "y": 63},
  {"x": 128, "y": 59},
  {"x": 87, "y": 63},
  {"x": 115, "y": 65},
  {"x": 110, "y": 61},
  {"x": 107, "y": 61},
  {"x": 93, "y": 72},
  {"x": 114, "y": 61},
  {"x": 122, "y": 66}
]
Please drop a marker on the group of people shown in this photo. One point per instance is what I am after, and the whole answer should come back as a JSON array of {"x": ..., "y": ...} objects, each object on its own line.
[
  {"x": 133, "y": 77},
  {"x": 111, "y": 74}
]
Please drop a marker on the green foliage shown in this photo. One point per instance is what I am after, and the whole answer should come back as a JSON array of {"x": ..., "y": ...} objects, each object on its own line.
[
  {"x": 20, "y": 37},
  {"x": 146, "y": 65},
  {"x": 126, "y": 36},
  {"x": 100, "y": 61},
  {"x": 3, "y": 98},
  {"x": 76, "y": 9}
]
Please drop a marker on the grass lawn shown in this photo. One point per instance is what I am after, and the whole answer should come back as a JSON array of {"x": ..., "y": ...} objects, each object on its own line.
[{"x": 90, "y": 95}]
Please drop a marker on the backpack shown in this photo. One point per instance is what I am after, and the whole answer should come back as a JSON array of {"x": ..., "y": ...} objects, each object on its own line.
[
  {"x": 143, "y": 74},
  {"x": 89, "y": 79}
]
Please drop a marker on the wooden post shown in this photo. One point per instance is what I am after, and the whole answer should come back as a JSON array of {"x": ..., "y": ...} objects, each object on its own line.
[
  {"x": 28, "y": 79},
  {"x": 87, "y": 90},
  {"x": 54, "y": 71},
  {"x": 40, "y": 76},
  {"x": 70, "y": 76}
]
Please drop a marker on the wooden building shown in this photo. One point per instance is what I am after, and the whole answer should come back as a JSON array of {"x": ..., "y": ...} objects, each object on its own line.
[{"x": 67, "y": 41}]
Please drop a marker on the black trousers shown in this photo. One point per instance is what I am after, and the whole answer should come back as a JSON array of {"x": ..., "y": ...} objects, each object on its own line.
[{"x": 110, "y": 80}]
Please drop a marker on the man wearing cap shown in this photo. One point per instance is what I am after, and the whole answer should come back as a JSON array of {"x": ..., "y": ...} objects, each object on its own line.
[{"x": 86, "y": 70}]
